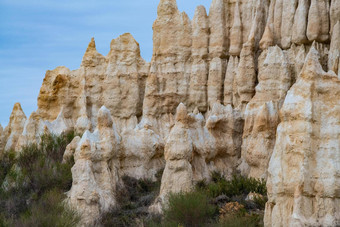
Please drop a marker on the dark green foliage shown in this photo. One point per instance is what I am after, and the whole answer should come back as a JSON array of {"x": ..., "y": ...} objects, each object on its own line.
[
  {"x": 242, "y": 219},
  {"x": 188, "y": 209},
  {"x": 238, "y": 185},
  {"x": 6, "y": 163},
  {"x": 34, "y": 183},
  {"x": 134, "y": 200},
  {"x": 261, "y": 202},
  {"x": 48, "y": 211}
]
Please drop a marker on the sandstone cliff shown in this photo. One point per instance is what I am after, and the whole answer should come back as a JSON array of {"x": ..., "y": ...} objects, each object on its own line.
[{"x": 232, "y": 91}]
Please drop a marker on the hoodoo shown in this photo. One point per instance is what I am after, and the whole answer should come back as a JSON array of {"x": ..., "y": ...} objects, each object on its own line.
[{"x": 253, "y": 88}]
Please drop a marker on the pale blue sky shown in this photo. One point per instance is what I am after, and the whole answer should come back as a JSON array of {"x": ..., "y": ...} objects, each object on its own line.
[{"x": 39, "y": 35}]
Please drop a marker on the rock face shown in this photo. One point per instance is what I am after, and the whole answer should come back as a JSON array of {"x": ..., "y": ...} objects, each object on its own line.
[
  {"x": 14, "y": 128},
  {"x": 262, "y": 113},
  {"x": 232, "y": 91},
  {"x": 95, "y": 172},
  {"x": 304, "y": 167},
  {"x": 116, "y": 81}
]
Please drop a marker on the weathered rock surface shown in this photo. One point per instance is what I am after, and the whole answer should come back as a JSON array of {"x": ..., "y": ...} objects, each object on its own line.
[
  {"x": 14, "y": 128},
  {"x": 197, "y": 146},
  {"x": 95, "y": 172},
  {"x": 262, "y": 112},
  {"x": 229, "y": 91},
  {"x": 303, "y": 171}
]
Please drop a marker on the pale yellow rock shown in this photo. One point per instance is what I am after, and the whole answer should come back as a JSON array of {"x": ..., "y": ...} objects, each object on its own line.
[
  {"x": 170, "y": 64},
  {"x": 202, "y": 63},
  {"x": 334, "y": 50},
  {"x": 199, "y": 67},
  {"x": 259, "y": 22},
  {"x": 318, "y": 21},
  {"x": 334, "y": 14},
  {"x": 297, "y": 55},
  {"x": 245, "y": 78},
  {"x": 288, "y": 12},
  {"x": 196, "y": 147},
  {"x": 262, "y": 112},
  {"x": 230, "y": 76},
  {"x": 278, "y": 11},
  {"x": 236, "y": 33},
  {"x": 95, "y": 172},
  {"x": 217, "y": 43},
  {"x": 300, "y": 23},
  {"x": 267, "y": 38},
  {"x": 14, "y": 128},
  {"x": 143, "y": 153},
  {"x": 215, "y": 81},
  {"x": 303, "y": 170},
  {"x": 200, "y": 33},
  {"x": 268, "y": 35},
  {"x": 116, "y": 81}
]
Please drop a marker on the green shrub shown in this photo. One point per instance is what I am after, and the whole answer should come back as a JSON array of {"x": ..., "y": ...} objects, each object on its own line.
[
  {"x": 190, "y": 209},
  {"x": 48, "y": 211},
  {"x": 6, "y": 163},
  {"x": 133, "y": 199},
  {"x": 34, "y": 182},
  {"x": 238, "y": 185},
  {"x": 261, "y": 201},
  {"x": 242, "y": 219}
]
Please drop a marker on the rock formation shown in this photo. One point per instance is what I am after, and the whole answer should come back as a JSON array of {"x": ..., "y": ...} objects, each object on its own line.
[
  {"x": 303, "y": 177},
  {"x": 14, "y": 128},
  {"x": 231, "y": 92},
  {"x": 262, "y": 113},
  {"x": 95, "y": 172}
]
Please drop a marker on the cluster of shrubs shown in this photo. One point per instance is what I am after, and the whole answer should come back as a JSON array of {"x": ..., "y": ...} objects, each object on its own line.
[
  {"x": 208, "y": 204},
  {"x": 33, "y": 183},
  {"x": 134, "y": 200}
]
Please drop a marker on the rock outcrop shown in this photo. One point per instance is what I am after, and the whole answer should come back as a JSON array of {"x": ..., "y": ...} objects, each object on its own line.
[
  {"x": 14, "y": 128},
  {"x": 95, "y": 172},
  {"x": 262, "y": 113},
  {"x": 303, "y": 179},
  {"x": 231, "y": 92}
]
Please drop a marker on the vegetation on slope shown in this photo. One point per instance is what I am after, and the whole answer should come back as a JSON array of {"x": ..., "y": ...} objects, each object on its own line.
[
  {"x": 33, "y": 183},
  {"x": 220, "y": 203}
]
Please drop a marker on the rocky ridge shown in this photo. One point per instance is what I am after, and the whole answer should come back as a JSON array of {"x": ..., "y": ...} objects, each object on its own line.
[{"x": 253, "y": 87}]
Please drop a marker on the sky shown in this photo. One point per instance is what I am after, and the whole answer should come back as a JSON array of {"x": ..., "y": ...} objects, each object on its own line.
[{"x": 39, "y": 35}]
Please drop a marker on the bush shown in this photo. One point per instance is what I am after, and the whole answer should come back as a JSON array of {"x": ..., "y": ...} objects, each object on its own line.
[
  {"x": 190, "y": 209},
  {"x": 6, "y": 163},
  {"x": 238, "y": 185},
  {"x": 134, "y": 199},
  {"x": 242, "y": 219},
  {"x": 47, "y": 211},
  {"x": 34, "y": 182}
]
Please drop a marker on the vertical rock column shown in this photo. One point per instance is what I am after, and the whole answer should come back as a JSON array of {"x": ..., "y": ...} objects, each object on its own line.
[
  {"x": 262, "y": 112},
  {"x": 95, "y": 172},
  {"x": 218, "y": 44},
  {"x": 300, "y": 23},
  {"x": 244, "y": 83},
  {"x": 199, "y": 68},
  {"x": 303, "y": 178},
  {"x": 178, "y": 174},
  {"x": 170, "y": 65},
  {"x": 15, "y": 127}
]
